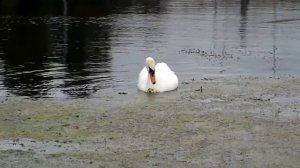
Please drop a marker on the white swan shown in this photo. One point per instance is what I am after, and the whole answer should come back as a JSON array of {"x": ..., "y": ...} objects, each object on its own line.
[{"x": 157, "y": 77}]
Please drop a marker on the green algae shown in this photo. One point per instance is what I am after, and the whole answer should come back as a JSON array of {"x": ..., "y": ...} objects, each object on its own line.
[
  {"x": 151, "y": 91},
  {"x": 44, "y": 121},
  {"x": 230, "y": 119}
]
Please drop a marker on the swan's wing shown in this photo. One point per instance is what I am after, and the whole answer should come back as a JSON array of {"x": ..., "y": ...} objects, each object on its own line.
[
  {"x": 142, "y": 81},
  {"x": 166, "y": 78},
  {"x": 163, "y": 69}
]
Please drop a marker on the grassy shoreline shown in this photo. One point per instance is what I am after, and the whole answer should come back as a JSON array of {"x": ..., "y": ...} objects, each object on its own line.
[{"x": 227, "y": 123}]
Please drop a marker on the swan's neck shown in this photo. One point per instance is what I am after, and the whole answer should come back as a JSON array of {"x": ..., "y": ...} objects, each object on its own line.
[{"x": 149, "y": 83}]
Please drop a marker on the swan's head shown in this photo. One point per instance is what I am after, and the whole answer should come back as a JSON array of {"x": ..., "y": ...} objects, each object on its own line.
[{"x": 150, "y": 64}]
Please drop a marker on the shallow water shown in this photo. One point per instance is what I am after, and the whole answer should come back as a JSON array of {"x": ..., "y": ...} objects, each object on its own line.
[{"x": 92, "y": 48}]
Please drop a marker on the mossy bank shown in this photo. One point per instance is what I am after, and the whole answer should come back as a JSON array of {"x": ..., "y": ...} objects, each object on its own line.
[{"x": 218, "y": 123}]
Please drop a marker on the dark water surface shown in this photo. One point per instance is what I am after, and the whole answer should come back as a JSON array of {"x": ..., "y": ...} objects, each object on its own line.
[{"x": 83, "y": 49}]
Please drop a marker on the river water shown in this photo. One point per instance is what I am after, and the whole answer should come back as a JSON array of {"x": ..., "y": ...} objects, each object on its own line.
[{"x": 70, "y": 49}]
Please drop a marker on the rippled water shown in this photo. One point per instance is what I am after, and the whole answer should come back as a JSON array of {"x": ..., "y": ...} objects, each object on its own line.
[{"x": 88, "y": 49}]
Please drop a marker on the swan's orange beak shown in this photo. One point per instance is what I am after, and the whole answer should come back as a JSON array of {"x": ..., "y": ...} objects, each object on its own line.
[{"x": 152, "y": 76}]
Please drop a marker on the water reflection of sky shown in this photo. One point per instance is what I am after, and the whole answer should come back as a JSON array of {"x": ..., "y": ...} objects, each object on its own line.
[{"x": 100, "y": 46}]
